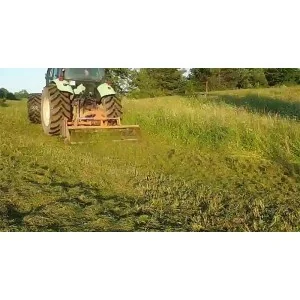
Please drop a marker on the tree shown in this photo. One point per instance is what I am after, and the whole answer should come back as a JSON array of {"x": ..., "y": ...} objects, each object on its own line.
[
  {"x": 21, "y": 94},
  {"x": 10, "y": 96},
  {"x": 199, "y": 74},
  {"x": 121, "y": 79},
  {"x": 277, "y": 76},
  {"x": 153, "y": 82},
  {"x": 258, "y": 78},
  {"x": 167, "y": 80},
  {"x": 199, "y": 77},
  {"x": 145, "y": 85},
  {"x": 227, "y": 78},
  {"x": 233, "y": 78},
  {"x": 216, "y": 78},
  {"x": 3, "y": 93}
]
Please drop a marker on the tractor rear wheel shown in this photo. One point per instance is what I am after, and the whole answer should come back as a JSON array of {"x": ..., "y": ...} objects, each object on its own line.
[
  {"x": 112, "y": 106},
  {"x": 34, "y": 108},
  {"x": 55, "y": 106}
]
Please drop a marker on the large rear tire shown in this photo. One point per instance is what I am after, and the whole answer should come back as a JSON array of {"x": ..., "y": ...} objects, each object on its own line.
[
  {"x": 55, "y": 106},
  {"x": 113, "y": 106},
  {"x": 34, "y": 108}
]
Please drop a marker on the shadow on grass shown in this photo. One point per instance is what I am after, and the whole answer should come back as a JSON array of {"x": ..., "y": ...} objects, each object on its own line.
[
  {"x": 62, "y": 206},
  {"x": 75, "y": 207},
  {"x": 262, "y": 105},
  {"x": 79, "y": 207}
]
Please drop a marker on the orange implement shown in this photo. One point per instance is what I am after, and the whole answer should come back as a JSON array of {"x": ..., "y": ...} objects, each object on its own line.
[{"x": 95, "y": 122}]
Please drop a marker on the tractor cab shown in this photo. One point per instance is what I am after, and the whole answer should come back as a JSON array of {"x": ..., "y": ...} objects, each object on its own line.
[
  {"x": 96, "y": 75},
  {"x": 84, "y": 74}
]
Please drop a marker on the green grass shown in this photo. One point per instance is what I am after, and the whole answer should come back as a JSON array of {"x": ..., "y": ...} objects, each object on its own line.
[
  {"x": 228, "y": 162},
  {"x": 3, "y": 103}
]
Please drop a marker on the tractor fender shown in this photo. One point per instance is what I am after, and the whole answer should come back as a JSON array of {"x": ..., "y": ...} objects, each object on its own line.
[{"x": 105, "y": 89}]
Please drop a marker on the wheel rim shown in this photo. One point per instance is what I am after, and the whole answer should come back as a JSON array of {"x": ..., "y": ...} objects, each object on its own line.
[{"x": 46, "y": 111}]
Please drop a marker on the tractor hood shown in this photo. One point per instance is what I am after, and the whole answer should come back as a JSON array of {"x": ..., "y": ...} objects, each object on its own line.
[{"x": 70, "y": 86}]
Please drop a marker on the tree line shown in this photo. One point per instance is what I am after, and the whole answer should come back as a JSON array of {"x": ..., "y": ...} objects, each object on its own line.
[
  {"x": 7, "y": 95},
  {"x": 154, "y": 82}
]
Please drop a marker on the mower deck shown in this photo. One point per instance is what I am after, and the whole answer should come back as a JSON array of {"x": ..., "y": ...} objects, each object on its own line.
[{"x": 124, "y": 132}]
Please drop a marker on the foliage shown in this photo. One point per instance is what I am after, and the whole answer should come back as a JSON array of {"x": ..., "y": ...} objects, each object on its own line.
[
  {"x": 146, "y": 85},
  {"x": 154, "y": 82},
  {"x": 5, "y": 94},
  {"x": 11, "y": 96},
  {"x": 121, "y": 79},
  {"x": 227, "y": 78},
  {"x": 277, "y": 76},
  {"x": 23, "y": 94}
]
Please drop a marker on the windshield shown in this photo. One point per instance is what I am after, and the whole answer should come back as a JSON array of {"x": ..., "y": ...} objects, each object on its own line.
[{"x": 84, "y": 74}]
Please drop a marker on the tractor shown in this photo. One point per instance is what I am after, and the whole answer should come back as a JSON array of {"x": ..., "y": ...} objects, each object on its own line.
[{"x": 76, "y": 100}]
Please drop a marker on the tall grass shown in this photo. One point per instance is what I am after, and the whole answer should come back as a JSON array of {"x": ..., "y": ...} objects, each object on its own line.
[{"x": 217, "y": 126}]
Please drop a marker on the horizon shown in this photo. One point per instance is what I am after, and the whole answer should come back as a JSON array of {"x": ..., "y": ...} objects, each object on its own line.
[{"x": 30, "y": 79}]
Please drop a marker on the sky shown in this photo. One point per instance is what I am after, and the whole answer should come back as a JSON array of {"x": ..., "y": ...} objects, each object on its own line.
[{"x": 15, "y": 79}]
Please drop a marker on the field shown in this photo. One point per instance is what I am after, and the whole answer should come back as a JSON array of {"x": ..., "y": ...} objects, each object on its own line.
[{"x": 228, "y": 162}]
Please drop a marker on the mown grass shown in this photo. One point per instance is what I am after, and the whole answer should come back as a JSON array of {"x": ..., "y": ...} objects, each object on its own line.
[{"x": 228, "y": 162}]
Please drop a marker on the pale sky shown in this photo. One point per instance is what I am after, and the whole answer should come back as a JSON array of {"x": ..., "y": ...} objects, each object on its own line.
[{"x": 16, "y": 79}]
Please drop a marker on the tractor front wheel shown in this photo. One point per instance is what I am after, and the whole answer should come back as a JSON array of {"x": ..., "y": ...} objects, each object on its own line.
[
  {"x": 55, "y": 106},
  {"x": 112, "y": 106}
]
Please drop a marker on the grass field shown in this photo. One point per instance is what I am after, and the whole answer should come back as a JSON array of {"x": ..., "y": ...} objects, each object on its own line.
[{"x": 228, "y": 162}]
